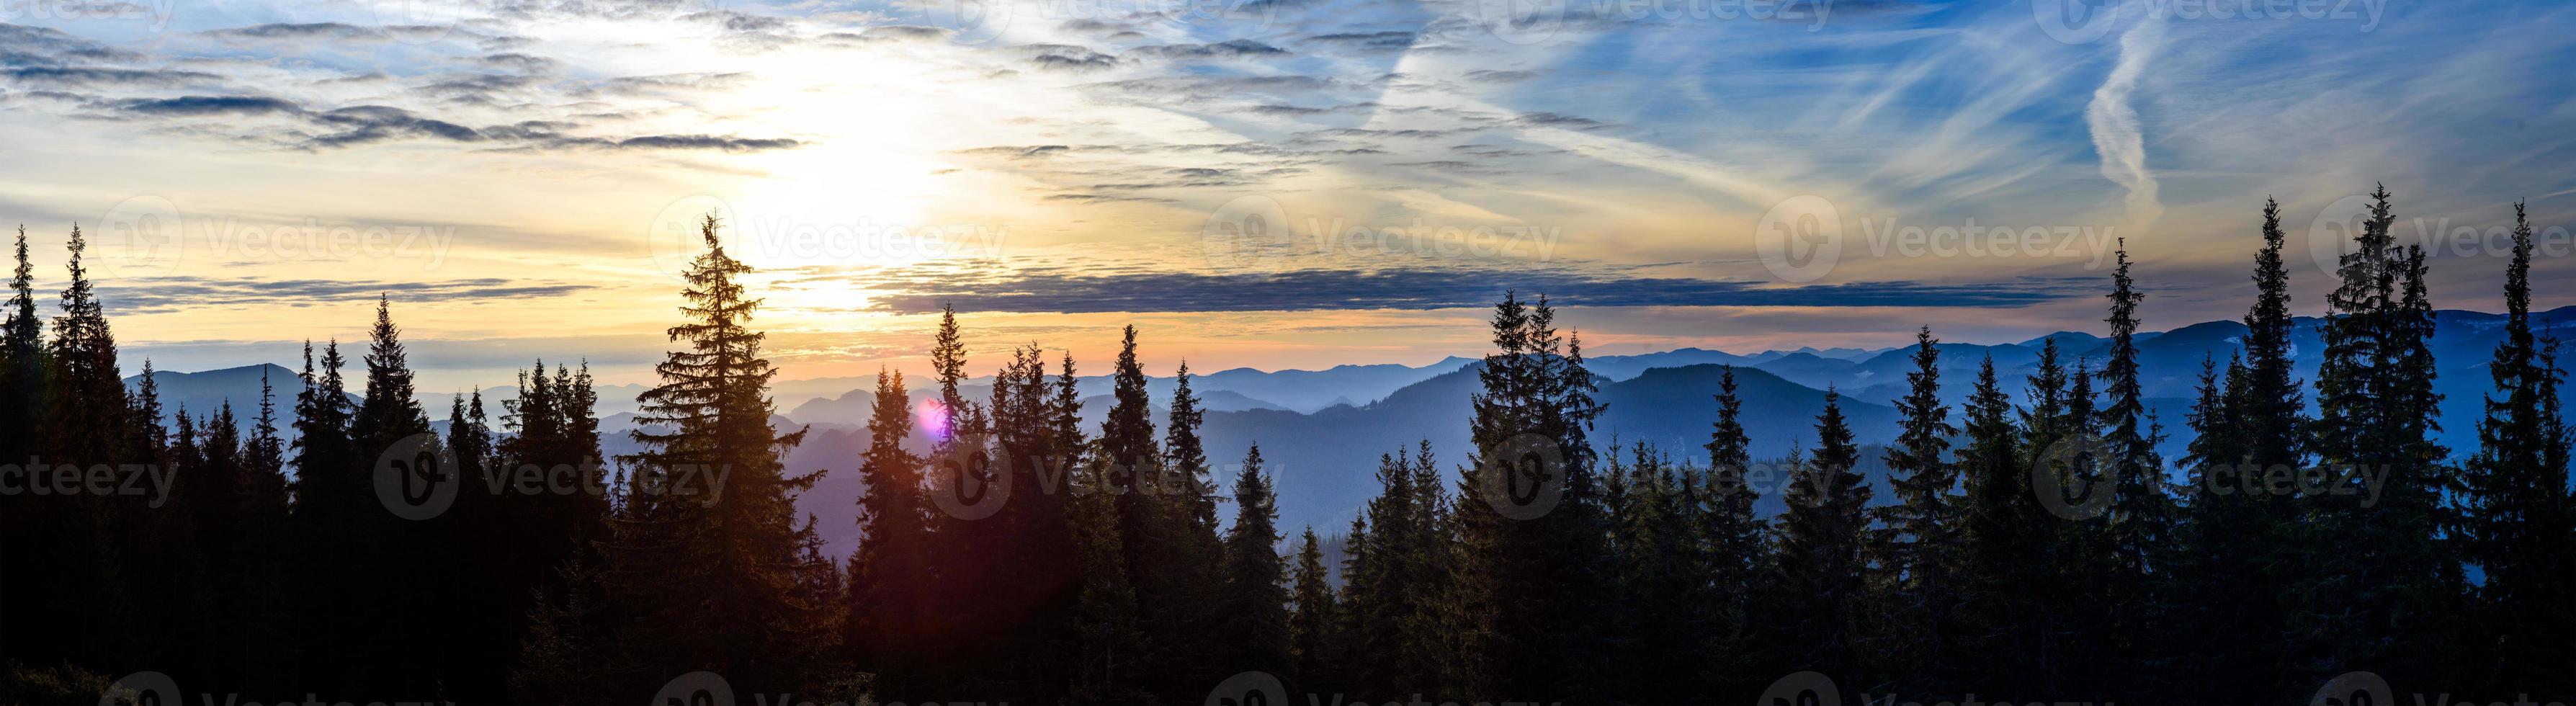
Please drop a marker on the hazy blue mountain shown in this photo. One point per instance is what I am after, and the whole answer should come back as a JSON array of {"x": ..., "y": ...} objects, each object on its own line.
[
  {"x": 1811, "y": 370},
  {"x": 1310, "y": 390},
  {"x": 1622, "y": 367},
  {"x": 201, "y": 392}
]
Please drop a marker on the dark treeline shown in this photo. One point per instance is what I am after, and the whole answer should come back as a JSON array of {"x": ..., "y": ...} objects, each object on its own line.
[{"x": 2034, "y": 550}]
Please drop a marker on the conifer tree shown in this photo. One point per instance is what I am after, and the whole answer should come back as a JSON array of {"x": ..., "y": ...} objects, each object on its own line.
[
  {"x": 2514, "y": 518},
  {"x": 1253, "y": 603},
  {"x": 22, "y": 385},
  {"x": 1918, "y": 546},
  {"x": 382, "y": 567},
  {"x": 890, "y": 614},
  {"x": 2141, "y": 517},
  {"x": 1997, "y": 532},
  {"x": 1735, "y": 536},
  {"x": 88, "y": 420},
  {"x": 1531, "y": 572},
  {"x": 2375, "y": 416},
  {"x": 1821, "y": 547},
  {"x": 1187, "y": 566},
  {"x": 948, "y": 362},
  {"x": 2142, "y": 511},
  {"x": 2243, "y": 546},
  {"x": 1315, "y": 638},
  {"x": 1108, "y": 645},
  {"x": 1395, "y": 582},
  {"x": 22, "y": 340},
  {"x": 89, "y": 406},
  {"x": 710, "y": 581}
]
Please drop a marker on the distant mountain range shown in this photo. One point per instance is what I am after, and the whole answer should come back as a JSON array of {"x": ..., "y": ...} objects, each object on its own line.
[{"x": 1322, "y": 431}]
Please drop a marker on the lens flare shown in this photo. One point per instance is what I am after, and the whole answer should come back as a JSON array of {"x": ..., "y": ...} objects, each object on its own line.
[{"x": 932, "y": 416}]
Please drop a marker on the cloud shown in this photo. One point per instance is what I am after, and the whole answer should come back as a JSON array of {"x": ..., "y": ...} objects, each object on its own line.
[
  {"x": 992, "y": 288},
  {"x": 727, "y": 143},
  {"x": 1492, "y": 76},
  {"x": 1546, "y": 119},
  {"x": 1104, "y": 198},
  {"x": 663, "y": 85},
  {"x": 1235, "y": 49},
  {"x": 366, "y": 124},
  {"x": 521, "y": 63},
  {"x": 2114, "y": 122},
  {"x": 1278, "y": 109},
  {"x": 83, "y": 77},
  {"x": 1366, "y": 41},
  {"x": 1065, "y": 57},
  {"x": 211, "y": 105},
  {"x": 165, "y": 293},
  {"x": 302, "y": 30}
]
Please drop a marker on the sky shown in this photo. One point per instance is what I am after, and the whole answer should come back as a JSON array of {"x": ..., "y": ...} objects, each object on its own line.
[{"x": 1263, "y": 183}]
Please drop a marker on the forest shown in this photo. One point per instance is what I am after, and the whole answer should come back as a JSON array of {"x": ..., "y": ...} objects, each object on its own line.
[{"x": 2315, "y": 544}]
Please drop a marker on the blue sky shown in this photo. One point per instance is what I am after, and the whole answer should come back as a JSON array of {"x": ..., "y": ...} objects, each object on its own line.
[{"x": 1277, "y": 183}]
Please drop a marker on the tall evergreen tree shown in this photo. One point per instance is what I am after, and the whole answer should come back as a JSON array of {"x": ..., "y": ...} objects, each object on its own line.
[
  {"x": 1736, "y": 539},
  {"x": 1395, "y": 583},
  {"x": 1192, "y": 555},
  {"x": 381, "y": 567},
  {"x": 1821, "y": 542},
  {"x": 22, "y": 369},
  {"x": 2001, "y": 538},
  {"x": 2514, "y": 518},
  {"x": 892, "y": 616},
  {"x": 2375, "y": 415},
  {"x": 948, "y": 362},
  {"x": 1314, "y": 629},
  {"x": 1918, "y": 547},
  {"x": 22, "y": 340},
  {"x": 711, "y": 582},
  {"x": 92, "y": 614},
  {"x": 1253, "y": 603},
  {"x": 2142, "y": 515},
  {"x": 2242, "y": 545},
  {"x": 1531, "y": 572},
  {"x": 1108, "y": 645}
]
